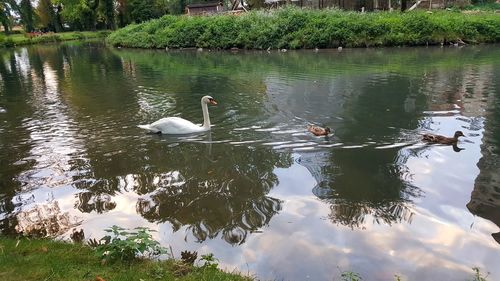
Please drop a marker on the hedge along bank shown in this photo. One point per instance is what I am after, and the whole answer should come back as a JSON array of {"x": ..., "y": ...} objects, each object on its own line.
[{"x": 295, "y": 28}]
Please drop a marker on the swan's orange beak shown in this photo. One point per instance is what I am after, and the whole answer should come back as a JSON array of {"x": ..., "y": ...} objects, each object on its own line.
[{"x": 212, "y": 102}]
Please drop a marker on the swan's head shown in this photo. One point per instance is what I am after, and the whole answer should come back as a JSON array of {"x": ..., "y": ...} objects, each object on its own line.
[{"x": 208, "y": 100}]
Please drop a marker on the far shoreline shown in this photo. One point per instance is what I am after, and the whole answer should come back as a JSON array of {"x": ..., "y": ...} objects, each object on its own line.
[
  {"x": 24, "y": 39},
  {"x": 318, "y": 50},
  {"x": 293, "y": 29}
]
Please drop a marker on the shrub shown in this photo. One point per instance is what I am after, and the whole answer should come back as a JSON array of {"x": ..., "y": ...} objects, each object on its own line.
[
  {"x": 128, "y": 245},
  {"x": 78, "y": 35},
  {"x": 294, "y": 28},
  {"x": 6, "y": 42}
]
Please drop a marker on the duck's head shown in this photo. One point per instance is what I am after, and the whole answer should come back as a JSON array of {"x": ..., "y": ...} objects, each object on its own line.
[
  {"x": 208, "y": 100},
  {"x": 459, "y": 134},
  {"x": 327, "y": 130}
]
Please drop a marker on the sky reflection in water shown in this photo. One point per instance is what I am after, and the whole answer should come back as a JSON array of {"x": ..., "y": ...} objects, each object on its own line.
[{"x": 258, "y": 191}]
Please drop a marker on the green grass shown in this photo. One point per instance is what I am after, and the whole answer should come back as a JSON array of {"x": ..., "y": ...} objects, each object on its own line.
[
  {"x": 53, "y": 260},
  {"x": 23, "y": 39},
  {"x": 295, "y": 28},
  {"x": 485, "y": 6},
  {"x": 42, "y": 259}
]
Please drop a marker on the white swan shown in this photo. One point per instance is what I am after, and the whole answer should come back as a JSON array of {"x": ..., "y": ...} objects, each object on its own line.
[{"x": 180, "y": 126}]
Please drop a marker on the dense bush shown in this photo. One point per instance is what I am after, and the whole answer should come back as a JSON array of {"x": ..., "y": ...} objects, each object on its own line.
[
  {"x": 295, "y": 28},
  {"x": 6, "y": 41}
]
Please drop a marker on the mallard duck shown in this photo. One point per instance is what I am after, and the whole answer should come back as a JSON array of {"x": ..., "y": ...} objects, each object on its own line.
[
  {"x": 318, "y": 131},
  {"x": 442, "y": 139}
]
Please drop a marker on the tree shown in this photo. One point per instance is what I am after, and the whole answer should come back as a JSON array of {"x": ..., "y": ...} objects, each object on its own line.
[
  {"x": 170, "y": 6},
  {"x": 141, "y": 10},
  {"x": 109, "y": 13},
  {"x": 404, "y": 5},
  {"x": 136, "y": 11},
  {"x": 5, "y": 16},
  {"x": 7, "y": 8},
  {"x": 27, "y": 15},
  {"x": 122, "y": 13},
  {"x": 47, "y": 16},
  {"x": 256, "y": 4},
  {"x": 79, "y": 14}
]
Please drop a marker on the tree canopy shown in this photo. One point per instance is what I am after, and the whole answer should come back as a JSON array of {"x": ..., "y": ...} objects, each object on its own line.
[{"x": 59, "y": 15}]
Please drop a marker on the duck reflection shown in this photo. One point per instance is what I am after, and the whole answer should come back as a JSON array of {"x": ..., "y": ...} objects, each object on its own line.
[{"x": 456, "y": 148}]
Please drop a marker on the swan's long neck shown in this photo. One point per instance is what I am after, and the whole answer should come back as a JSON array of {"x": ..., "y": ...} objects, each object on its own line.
[{"x": 206, "y": 117}]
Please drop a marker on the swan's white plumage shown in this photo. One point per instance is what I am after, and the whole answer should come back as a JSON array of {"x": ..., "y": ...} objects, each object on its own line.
[
  {"x": 179, "y": 126},
  {"x": 173, "y": 125}
]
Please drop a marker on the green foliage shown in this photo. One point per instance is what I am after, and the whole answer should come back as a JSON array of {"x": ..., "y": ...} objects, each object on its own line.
[
  {"x": 6, "y": 10},
  {"x": 47, "y": 18},
  {"x": 27, "y": 15},
  {"x": 137, "y": 11},
  {"x": 141, "y": 10},
  {"x": 127, "y": 245},
  {"x": 295, "y": 28},
  {"x": 6, "y": 41},
  {"x": 255, "y": 4},
  {"x": 488, "y": 4},
  {"x": 350, "y": 276},
  {"x": 79, "y": 14},
  {"x": 22, "y": 39},
  {"x": 209, "y": 261},
  {"x": 41, "y": 259}
]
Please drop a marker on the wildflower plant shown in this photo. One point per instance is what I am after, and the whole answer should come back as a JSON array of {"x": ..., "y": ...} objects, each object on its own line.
[{"x": 127, "y": 245}]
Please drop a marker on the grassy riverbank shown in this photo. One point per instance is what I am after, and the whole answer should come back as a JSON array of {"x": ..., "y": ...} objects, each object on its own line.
[
  {"x": 294, "y": 28},
  {"x": 26, "y": 39},
  {"x": 41, "y": 259},
  {"x": 35, "y": 259}
]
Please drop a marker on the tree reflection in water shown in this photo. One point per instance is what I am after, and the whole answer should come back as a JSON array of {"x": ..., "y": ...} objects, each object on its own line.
[
  {"x": 363, "y": 183},
  {"x": 217, "y": 189},
  {"x": 357, "y": 179},
  {"x": 44, "y": 220},
  {"x": 98, "y": 202},
  {"x": 485, "y": 197},
  {"x": 226, "y": 195},
  {"x": 220, "y": 192}
]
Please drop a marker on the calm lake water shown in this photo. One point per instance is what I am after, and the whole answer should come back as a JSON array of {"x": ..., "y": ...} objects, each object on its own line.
[{"x": 260, "y": 192}]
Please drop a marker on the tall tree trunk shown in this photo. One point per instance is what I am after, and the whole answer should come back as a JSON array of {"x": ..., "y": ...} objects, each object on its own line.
[
  {"x": 57, "y": 19},
  {"x": 110, "y": 14},
  {"x": 5, "y": 25},
  {"x": 122, "y": 13},
  {"x": 404, "y": 5},
  {"x": 5, "y": 12},
  {"x": 26, "y": 11},
  {"x": 93, "y": 7}
]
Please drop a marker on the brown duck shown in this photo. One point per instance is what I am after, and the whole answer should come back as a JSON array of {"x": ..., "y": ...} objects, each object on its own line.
[
  {"x": 442, "y": 139},
  {"x": 318, "y": 131}
]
